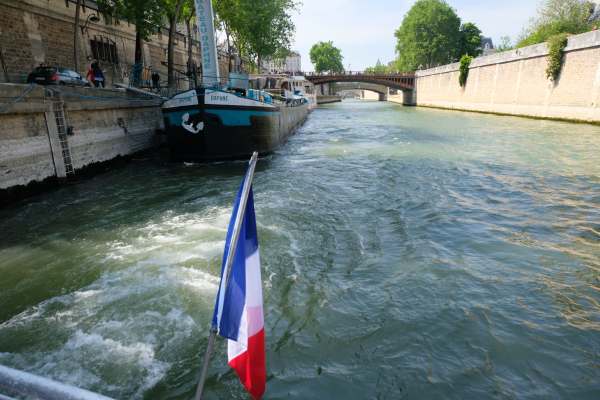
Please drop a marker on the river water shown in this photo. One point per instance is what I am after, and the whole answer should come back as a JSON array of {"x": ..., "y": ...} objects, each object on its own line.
[{"x": 407, "y": 253}]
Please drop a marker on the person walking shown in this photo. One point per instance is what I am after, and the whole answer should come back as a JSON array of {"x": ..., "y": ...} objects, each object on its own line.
[
  {"x": 98, "y": 74},
  {"x": 89, "y": 75},
  {"x": 156, "y": 81}
]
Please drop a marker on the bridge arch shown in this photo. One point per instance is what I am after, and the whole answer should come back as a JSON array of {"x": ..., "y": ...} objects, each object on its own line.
[
  {"x": 381, "y": 90},
  {"x": 394, "y": 81},
  {"x": 404, "y": 82}
]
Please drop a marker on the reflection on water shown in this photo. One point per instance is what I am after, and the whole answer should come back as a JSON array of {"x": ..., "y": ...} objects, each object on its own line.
[{"x": 407, "y": 253}]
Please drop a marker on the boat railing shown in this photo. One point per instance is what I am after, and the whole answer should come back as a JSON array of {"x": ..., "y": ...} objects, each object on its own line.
[{"x": 16, "y": 384}]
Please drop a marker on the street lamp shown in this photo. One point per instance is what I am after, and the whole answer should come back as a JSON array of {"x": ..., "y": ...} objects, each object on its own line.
[{"x": 91, "y": 18}]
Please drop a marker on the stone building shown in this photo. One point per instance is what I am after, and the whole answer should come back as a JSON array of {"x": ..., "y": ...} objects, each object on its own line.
[
  {"x": 291, "y": 64},
  {"x": 487, "y": 46},
  {"x": 595, "y": 12},
  {"x": 42, "y": 31}
]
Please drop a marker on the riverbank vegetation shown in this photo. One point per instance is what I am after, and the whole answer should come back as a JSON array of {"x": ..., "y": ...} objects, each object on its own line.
[
  {"x": 431, "y": 34},
  {"x": 556, "y": 47},
  {"x": 326, "y": 57},
  {"x": 558, "y": 17},
  {"x": 254, "y": 30},
  {"x": 381, "y": 68},
  {"x": 465, "y": 62},
  {"x": 257, "y": 30}
]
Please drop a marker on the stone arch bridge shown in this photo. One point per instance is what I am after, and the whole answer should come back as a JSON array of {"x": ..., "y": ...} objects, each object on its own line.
[
  {"x": 404, "y": 82},
  {"x": 381, "y": 90}
]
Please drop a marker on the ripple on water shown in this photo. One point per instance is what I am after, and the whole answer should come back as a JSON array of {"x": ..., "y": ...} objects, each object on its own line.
[{"x": 407, "y": 253}]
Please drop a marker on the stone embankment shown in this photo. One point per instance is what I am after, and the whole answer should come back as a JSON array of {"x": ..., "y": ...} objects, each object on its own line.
[
  {"x": 328, "y": 99},
  {"x": 51, "y": 133},
  {"x": 515, "y": 83}
]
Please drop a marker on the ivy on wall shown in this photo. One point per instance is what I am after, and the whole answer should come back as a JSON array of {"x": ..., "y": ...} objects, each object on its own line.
[
  {"x": 465, "y": 61},
  {"x": 556, "y": 47}
]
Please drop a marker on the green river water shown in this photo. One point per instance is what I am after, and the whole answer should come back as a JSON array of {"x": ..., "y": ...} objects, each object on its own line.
[{"x": 407, "y": 254}]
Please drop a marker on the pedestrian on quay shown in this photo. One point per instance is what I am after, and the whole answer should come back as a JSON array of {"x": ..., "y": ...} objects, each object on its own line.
[
  {"x": 98, "y": 74},
  {"x": 89, "y": 75},
  {"x": 156, "y": 81}
]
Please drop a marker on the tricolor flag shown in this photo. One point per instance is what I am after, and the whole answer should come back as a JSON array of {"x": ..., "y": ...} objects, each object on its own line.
[{"x": 238, "y": 312}]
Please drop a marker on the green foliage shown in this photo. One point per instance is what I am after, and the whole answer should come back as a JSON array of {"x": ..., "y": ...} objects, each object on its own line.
[
  {"x": 326, "y": 57},
  {"x": 147, "y": 15},
  {"x": 465, "y": 62},
  {"x": 429, "y": 36},
  {"x": 470, "y": 39},
  {"x": 556, "y": 47},
  {"x": 189, "y": 10},
  {"x": 555, "y": 17},
  {"x": 173, "y": 8},
  {"x": 505, "y": 44},
  {"x": 259, "y": 29},
  {"x": 379, "y": 68},
  {"x": 173, "y": 12}
]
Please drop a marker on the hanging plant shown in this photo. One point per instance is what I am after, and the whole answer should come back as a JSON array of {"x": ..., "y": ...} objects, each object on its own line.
[
  {"x": 556, "y": 51},
  {"x": 465, "y": 62}
]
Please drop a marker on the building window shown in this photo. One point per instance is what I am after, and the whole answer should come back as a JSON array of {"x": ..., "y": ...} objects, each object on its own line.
[{"x": 104, "y": 49}]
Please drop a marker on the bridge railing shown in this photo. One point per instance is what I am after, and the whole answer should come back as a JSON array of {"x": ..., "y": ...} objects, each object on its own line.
[{"x": 346, "y": 73}]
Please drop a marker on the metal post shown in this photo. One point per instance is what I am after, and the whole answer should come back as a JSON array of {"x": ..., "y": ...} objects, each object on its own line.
[{"x": 227, "y": 271}]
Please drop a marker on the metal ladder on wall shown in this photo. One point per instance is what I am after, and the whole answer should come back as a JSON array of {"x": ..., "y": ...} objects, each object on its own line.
[{"x": 59, "y": 115}]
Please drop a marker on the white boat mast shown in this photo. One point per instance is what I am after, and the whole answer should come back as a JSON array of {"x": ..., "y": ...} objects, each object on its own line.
[{"x": 208, "y": 45}]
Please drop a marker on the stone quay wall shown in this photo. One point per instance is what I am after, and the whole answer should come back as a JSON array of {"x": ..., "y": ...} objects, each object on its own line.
[
  {"x": 515, "y": 83},
  {"x": 100, "y": 125},
  {"x": 42, "y": 31}
]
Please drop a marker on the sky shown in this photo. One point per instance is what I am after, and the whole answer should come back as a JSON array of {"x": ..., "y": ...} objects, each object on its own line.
[{"x": 364, "y": 29}]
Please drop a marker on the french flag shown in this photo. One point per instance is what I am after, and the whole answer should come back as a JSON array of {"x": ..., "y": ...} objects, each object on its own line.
[{"x": 238, "y": 312}]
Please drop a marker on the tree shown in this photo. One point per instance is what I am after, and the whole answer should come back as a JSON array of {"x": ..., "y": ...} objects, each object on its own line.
[
  {"x": 173, "y": 10},
  {"x": 188, "y": 14},
  {"x": 326, "y": 57},
  {"x": 259, "y": 29},
  {"x": 229, "y": 17},
  {"x": 379, "y": 68},
  {"x": 268, "y": 28},
  {"x": 226, "y": 19},
  {"x": 505, "y": 44},
  {"x": 76, "y": 36},
  {"x": 147, "y": 15},
  {"x": 556, "y": 17},
  {"x": 470, "y": 40},
  {"x": 429, "y": 36}
]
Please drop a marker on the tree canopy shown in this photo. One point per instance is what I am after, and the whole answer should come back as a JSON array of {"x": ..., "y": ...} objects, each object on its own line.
[
  {"x": 470, "y": 40},
  {"x": 259, "y": 29},
  {"x": 147, "y": 15},
  {"x": 556, "y": 17},
  {"x": 429, "y": 35},
  {"x": 326, "y": 57},
  {"x": 379, "y": 68},
  {"x": 505, "y": 44}
]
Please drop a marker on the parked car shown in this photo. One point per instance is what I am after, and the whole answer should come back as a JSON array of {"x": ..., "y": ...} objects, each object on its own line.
[{"x": 56, "y": 76}]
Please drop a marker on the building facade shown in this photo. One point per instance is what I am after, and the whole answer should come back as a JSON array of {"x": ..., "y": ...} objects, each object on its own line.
[
  {"x": 33, "y": 32},
  {"x": 292, "y": 64},
  {"x": 487, "y": 46}
]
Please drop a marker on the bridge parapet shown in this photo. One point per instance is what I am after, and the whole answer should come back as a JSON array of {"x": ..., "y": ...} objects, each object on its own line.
[{"x": 401, "y": 81}]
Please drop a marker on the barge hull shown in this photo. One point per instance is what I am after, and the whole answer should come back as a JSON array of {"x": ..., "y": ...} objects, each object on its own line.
[{"x": 230, "y": 133}]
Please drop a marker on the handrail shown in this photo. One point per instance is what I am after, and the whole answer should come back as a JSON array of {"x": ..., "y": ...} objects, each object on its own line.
[
  {"x": 345, "y": 73},
  {"x": 24, "y": 384}
]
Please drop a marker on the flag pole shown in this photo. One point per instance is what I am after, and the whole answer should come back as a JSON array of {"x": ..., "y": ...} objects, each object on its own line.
[{"x": 227, "y": 271}]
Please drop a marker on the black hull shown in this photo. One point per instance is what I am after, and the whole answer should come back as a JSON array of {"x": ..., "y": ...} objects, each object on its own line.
[{"x": 263, "y": 131}]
